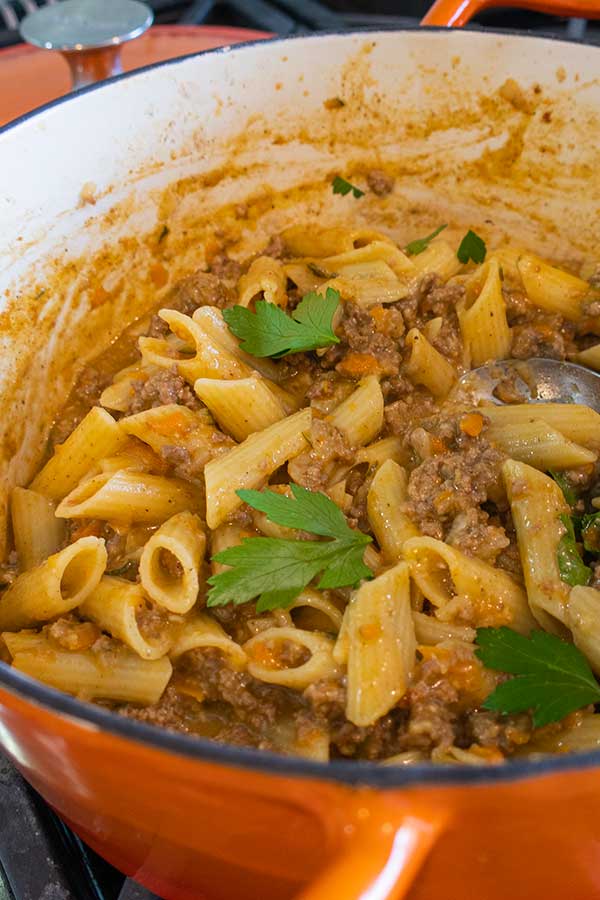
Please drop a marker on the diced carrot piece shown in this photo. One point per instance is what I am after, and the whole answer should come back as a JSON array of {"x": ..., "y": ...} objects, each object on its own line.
[
  {"x": 355, "y": 365},
  {"x": 472, "y": 424}
]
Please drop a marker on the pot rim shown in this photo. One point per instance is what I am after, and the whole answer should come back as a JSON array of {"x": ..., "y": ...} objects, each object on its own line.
[{"x": 351, "y": 772}]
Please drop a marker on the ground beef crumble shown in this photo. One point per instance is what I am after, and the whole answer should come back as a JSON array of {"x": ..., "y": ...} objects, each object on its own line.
[{"x": 165, "y": 386}]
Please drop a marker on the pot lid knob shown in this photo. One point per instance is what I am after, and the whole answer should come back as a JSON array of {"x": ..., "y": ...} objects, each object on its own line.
[{"x": 88, "y": 33}]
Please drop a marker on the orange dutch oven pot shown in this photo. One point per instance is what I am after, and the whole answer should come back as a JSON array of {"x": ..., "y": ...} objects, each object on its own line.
[{"x": 86, "y": 183}]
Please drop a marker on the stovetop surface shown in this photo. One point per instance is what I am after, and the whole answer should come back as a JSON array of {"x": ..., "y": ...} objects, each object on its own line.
[{"x": 65, "y": 869}]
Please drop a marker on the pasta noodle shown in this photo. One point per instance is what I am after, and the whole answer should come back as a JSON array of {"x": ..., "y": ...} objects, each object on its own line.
[
  {"x": 128, "y": 496},
  {"x": 36, "y": 530},
  {"x": 171, "y": 563},
  {"x": 536, "y": 502},
  {"x": 265, "y": 664},
  {"x": 381, "y": 645},
  {"x": 249, "y": 464},
  {"x": 241, "y": 407},
  {"x": 96, "y": 436},
  {"x": 539, "y": 444},
  {"x": 200, "y": 631},
  {"x": 551, "y": 288},
  {"x": 484, "y": 325},
  {"x": 390, "y": 525},
  {"x": 426, "y": 366},
  {"x": 54, "y": 587},
  {"x": 466, "y": 590}
]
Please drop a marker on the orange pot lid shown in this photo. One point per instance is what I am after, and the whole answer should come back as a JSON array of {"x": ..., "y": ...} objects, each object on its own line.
[{"x": 43, "y": 75}]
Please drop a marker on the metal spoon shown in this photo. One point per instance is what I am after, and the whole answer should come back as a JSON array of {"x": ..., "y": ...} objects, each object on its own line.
[{"x": 536, "y": 380}]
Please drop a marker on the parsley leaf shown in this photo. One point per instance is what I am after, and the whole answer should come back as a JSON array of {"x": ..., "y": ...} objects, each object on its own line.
[
  {"x": 553, "y": 678},
  {"x": 421, "y": 244},
  {"x": 270, "y": 332},
  {"x": 341, "y": 186},
  {"x": 565, "y": 486},
  {"x": 471, "y": 247},
  {"x": 590, "y": 532},
  {"x": 276, "y": 570},
  {"x": 570, "y": 564}
]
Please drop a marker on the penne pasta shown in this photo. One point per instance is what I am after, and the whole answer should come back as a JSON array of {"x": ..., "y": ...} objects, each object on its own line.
[
  {"x": 590, "y": 357},
  {"x": 381, "y": 646},
  {"x": 429, "y": 630},
  {"x": 118, "y": 674},
  {"x": 96, "y": 436},
  {"x": 484, "y": 326},
  {"x": 438, "y": 258},
  {"x": 538, "y": 444},
  {"x": 171, "y": 563},
  {"x": 536, "y": 502},
  {"x": 172, "y": 425},
  {"x": 466, "y": 590},
  {"x": 360, "y": 416},
  {"x": 391, "y": 526},
  {"x": 582, "y": 616},
  {"x": 265, "y": 279},
  {"x": 129, "y": 496},
  {"x": 54, "y": 587},
  {"x": 266, "y": 664},
  {"x": 120, "y": 608},
  {"x": 550, "y": 288},
  {"x": 380, "y": 451},
  {"x": 250, "y": 464},
  {"x": 198, "y": 632},
  {"x": 240, "y": 407},
  {"x": 211, "y": 321},
  {"x": 315, "y": 612},
  {"x": 36, "y": 530},
  {"x": 578, "y": 423},
  {"x": 428, "y": 367}
]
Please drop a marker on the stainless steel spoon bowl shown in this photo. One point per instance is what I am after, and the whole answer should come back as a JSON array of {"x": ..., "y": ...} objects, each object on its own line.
[{"x": 536, "y": 381}]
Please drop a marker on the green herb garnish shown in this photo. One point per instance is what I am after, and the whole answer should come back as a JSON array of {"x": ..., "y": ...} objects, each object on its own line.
[
  {"x": 553, "y": 678},
  {"x": 421, "y": 244},
  {"x": 471, "y": 247},
  {"x": 270, "y": 332},
  {"x": 341, "y": 186},
  {"x": 276, "y": 570},
  {"x": 571, "y": 566},
  {"x": 565, "y": 486}
]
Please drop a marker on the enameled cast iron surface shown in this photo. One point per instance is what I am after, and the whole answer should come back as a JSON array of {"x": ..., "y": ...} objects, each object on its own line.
[{"x": 87, "y": 185}]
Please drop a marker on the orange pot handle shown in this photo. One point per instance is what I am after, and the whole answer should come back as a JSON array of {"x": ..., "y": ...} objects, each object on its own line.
[
  {"x": 383, "y": 848},
  {"x": 453, "y": 13}
]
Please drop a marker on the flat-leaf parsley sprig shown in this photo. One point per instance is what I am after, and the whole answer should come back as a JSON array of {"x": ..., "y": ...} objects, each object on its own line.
[
  {"x": 276, "y": 570},
  {"x": 343, "y": 187},
  {"x": 270, "y": 332},
  {"x": 421, "y": 244},
  {"x": 471, "y": 247},
  {"x": 553, "y": 678}
]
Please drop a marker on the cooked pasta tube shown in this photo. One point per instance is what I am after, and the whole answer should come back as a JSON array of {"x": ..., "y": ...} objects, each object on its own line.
[
  {"x": 209, "y": 360},
  {"x": 96, "y": 436},
  {"x": 581, "y": 733},
  {"x": 484, "y": 325},
  {"x": 54, "y": 587},
  {"x": 242, "y": 406},
  {"x": 249, "y": 464},
  {"x": 381, "y": 646},
  {"x": 266, "y": 664},
  {"x": 119, "y": 394},
  {"x": 174, "y": 425},
  {"x": 129, "y": 496},
  {"x": 374, "y": 251},
  {"x": 117, "y": 674},
  {"x": 440, "y": 258},
  {"x": 360, "y": 416},
  {"x": 550, "y": 288},
  {"x": 428, "y": 367},
  {"x": 377, "y": 453},
  {"x": 265, "y": 279},
  {"x": 313, "y": 240},
  {"x": 200, "y": 631},
  {"x": 36, "y": 530},
  {"x": 590, "y": 358},
  {"x": 576, "y": 422},
  {"x": 465, "y": 589},
  {"x": 120, "y": 608},
  {"x": 583, "y": 619},
  {"x": 316, "y": 602},
  {"x": 429, "y": 630},
  {"x": 385, "y": 499},
  {"x": 537, "y": 443},
  {"x": 211, "y": 321},
  {"x": 536, "y": 503},
  {"x": 171, "y": 562}
]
